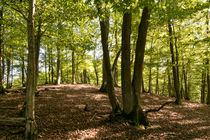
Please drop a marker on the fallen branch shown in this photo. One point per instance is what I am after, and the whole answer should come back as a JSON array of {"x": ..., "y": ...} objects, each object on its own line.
[
  {"x": 12, "y": 121},
  {"x": 8, "y": 107},
  {"x": 158, "y": 109}
]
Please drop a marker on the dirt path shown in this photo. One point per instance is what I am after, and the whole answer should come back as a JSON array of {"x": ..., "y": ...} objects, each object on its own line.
[{"x": 60, "y": 115}]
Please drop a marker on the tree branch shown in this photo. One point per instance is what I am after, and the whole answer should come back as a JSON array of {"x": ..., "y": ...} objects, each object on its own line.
[{"x": 158, "y": 109}]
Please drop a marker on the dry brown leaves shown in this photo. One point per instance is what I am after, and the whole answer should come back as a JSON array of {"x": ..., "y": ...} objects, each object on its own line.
[{"x": 60, "y": 115}]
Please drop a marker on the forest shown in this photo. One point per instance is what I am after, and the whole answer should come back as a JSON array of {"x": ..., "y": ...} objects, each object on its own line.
[{"x": 104, "y": 69}]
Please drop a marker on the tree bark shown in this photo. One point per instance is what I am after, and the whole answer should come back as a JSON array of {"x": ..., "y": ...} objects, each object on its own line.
[
  {"x": 37, "y": 52},
  {"x": 127, "y": 94},
  {"x": 2, "y": 90},
  {"x": 73, "y": 67},
  {"x": 104, "y": 25},
  {"x": 31, "y": 75},
  {"x": 45, "y": 64},
  {"x": 8, "y": 60},
  {"x": 150, "y": 70},
  {"x": 203, "y": 84},
  {"x": 104, "y": 82},
  {"x": 176, "y": 81},
  {"x": 85, "y": 76},
  {"x": 58, "y": 76},
  {"x": 115, "y": 70},
  {"x": 157, "y": 81},
  {"x": 138, "y": 114},
  {"x": 208, "y": 82}
]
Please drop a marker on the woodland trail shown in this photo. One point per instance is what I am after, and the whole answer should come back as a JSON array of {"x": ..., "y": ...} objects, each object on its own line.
[{"x": 60, "y": 115}]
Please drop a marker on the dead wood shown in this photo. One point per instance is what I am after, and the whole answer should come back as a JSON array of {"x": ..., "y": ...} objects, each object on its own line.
[
  {"x": 158, "y": 109},
  {"x": 20, "y": 121}
]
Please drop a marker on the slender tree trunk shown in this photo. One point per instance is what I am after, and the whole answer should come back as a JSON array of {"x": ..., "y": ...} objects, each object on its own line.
[
  {"x": 85, "y": 76},
  {"x": 49, "y": 65},
  {"x": 8, "y": 60},
  {"x": 203, "y": 84},
  {"x": 169, "y": 82},
  {"x": 52, "y": 69},
  {"x": 31, "y": 75},
  {"x": 104, "y": 82},
  {"x": 23, "y": 71},
  {"x": 45, "y": 65},
  {"x": 73, "y": 67},
  {"x": 176, "y": 81},
  {"x": 157, "y": 81},
  {"x": 208, "y": 83},
  {"x": 58, "y": 76},
  {"x": 207, "y": 61},
  {"x": 115, "y": 70},
  {"x": 138, "y": 113},
  {"x": 150, "y": 70},
  {"x": 164, "y": 82},
  {"x": 2, "y": 91},
  {"x": 104, "y": 25},
  {"x": 187, "y": 97}
]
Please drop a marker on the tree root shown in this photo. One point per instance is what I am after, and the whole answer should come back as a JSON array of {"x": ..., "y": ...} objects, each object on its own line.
[{"x": 158, "y": 109}]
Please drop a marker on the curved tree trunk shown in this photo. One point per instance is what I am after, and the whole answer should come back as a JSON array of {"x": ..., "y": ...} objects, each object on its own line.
[
  {"x": 138, "y": 114},
  {"x": 104, "y": 24}
]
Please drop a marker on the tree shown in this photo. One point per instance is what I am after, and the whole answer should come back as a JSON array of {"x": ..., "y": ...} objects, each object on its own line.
[
  {"x": 104, "y": 26},
  {"x": 2, "y": 91},
  {"x": 31, "y": 75},
  {"x": 131, "y": 91}
]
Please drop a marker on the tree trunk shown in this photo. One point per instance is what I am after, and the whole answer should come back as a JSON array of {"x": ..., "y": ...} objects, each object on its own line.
[
  {"x": 208, "y": 83},
  {"x": 150, "y": 71},
  {"x": 187, "y": 96},
  {"x": 52, "y": 69},
  {"x": 58, "y": 76},
  {"x": 138, "y": 114},
  {"x": 2, "y": 91},
  {"x": 45, "y": 65},
  {"x": 104, "y": 25},
  {"x": 49, "y": 65},
  {"x": 73, "y": 68},
  {"x": 174, "y": 68},
  {"x": 127, "y": 94},
  {"x": 157, "y": 81},
  {"x": 85, "y": 76},
  {"x": 169, "y": 83},
  {"x": 203, "y": 84},
  {"x": 8, "y": 60},
  {"x": 115, "y": 70},
  {"x": 31, "y": 75},
  {"x": 104, "y": 82},
  {"x": 37, "y": 52}
]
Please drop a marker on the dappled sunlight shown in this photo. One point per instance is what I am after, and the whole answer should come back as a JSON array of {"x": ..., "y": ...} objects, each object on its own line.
[
  {"x": 84, "y": 134},
  {"x": 60, "y": 113},
  {"x": 59, "y": 93}
]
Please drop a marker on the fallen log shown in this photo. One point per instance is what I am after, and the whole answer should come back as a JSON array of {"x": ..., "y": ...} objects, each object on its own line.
[{"x": 19, "y": 121}]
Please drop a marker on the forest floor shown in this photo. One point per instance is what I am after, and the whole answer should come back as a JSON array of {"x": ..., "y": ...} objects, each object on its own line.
[{"x": 60, "y": 115}]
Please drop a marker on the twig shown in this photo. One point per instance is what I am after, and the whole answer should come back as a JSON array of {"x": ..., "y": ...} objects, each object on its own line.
[
  {"x": 158, "y": 109},
  {"x": 93, "y": 117}
]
